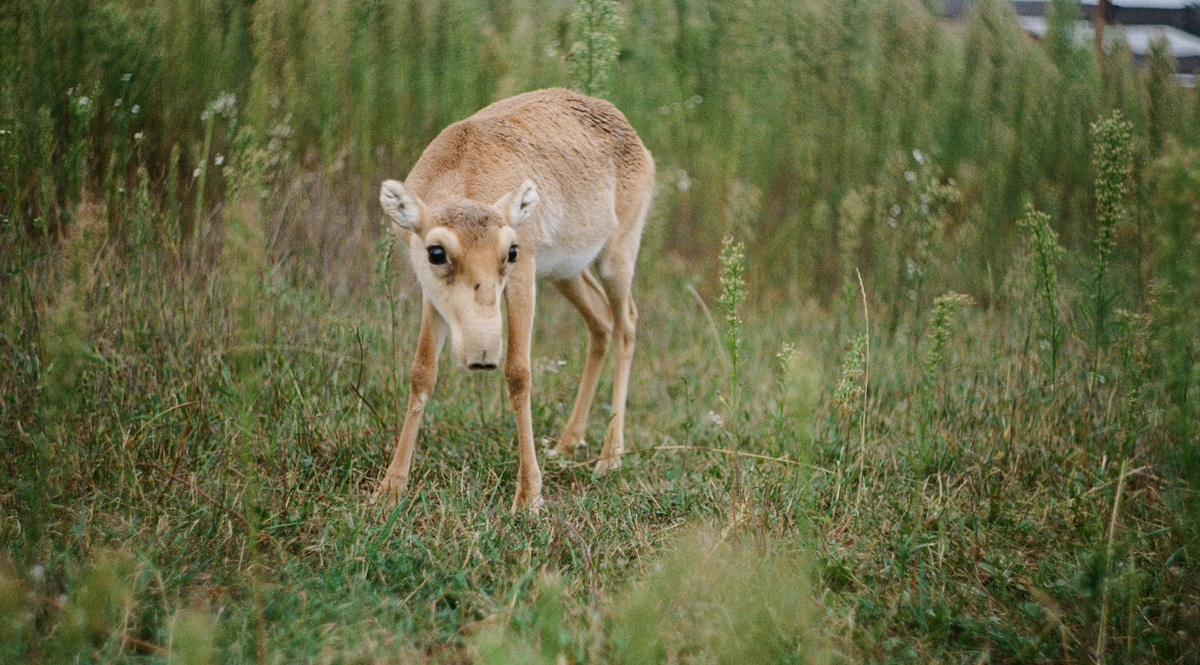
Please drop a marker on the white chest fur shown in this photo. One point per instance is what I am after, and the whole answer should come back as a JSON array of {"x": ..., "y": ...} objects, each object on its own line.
[{"x": 556, "y": 262}]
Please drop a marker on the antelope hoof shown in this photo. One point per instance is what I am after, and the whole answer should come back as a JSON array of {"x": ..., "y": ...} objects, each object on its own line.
[
  {"x": 389, "y": 491},
  {"x": 530, "y": 502},
  {"x": 606, "y": 464},
  {"x": 566, "y": 446}
]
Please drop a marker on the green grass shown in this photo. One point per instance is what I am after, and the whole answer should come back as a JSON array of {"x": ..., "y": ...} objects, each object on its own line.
[
  {"x": 229, "y": 473},
  {"x": 202, "y": 368}
]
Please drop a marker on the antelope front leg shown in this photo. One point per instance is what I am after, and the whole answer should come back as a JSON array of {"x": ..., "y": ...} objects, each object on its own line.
[
  {"x": 423, "y": 377},
  {"x": 520, "y": 296}
]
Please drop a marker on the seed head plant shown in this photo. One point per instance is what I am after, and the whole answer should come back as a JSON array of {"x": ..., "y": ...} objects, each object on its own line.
[
  {"x": 593, "y": 54},
  {"x": 733, "y": 291},
  {"x": 944, "y": 309},
  {"x": 1046, "y": 254},
  {"x": 225, "y": 105},
  {"x": 849, "y": 388},
  {"x": 919, "y": 214},
  {"x": 1113, "y": 162}
]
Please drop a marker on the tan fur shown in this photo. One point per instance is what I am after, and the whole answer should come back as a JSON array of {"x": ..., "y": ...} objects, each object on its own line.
[{"x": 567, "y": 179}]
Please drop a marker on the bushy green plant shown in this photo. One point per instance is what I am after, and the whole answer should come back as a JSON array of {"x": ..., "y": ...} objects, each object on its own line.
[{"x": 594, "y": 51}]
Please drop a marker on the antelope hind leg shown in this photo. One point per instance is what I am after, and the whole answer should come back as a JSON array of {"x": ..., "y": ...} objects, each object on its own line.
[{"x": 586, "y": 294}]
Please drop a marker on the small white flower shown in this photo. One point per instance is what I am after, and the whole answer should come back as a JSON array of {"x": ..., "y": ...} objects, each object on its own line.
[
  {"x": 196, "y": 173},
  {"x": 138, "y": 136},
  {"x": 910, "y": 176},
  {"x": 918, "y": 156},
  {"x": 127, "y": 77},
  {"x": 39, "y": 572},
  {"x": 685, "y": 183},
  {"x": 219, "y": 160},
  {"x": 84, "y": 101},
  {"x": 136, "y": 109},
  {"x": 716, "y": 419},
  {"x": 892, "y": 222},
  {"x": 896, "y": 210},
  {"x": 117, "y": 104}
]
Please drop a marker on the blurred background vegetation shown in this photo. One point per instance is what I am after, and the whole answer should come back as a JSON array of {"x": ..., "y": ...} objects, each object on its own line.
[
  {"x": 801, "y": 117},
  {"x": 987, "y": 448}
]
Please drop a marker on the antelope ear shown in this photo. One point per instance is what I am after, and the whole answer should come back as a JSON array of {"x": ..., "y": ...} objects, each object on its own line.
[
  {"x": 519, "y": 203},
  {"x": 401, "y": 206}
]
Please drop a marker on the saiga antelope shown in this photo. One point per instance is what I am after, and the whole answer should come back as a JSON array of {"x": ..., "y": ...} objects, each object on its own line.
[{"x": 538, "y": 186}]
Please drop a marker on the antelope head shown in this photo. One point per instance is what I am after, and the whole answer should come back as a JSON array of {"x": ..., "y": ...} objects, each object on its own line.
[{"x": 462, "y": 251}]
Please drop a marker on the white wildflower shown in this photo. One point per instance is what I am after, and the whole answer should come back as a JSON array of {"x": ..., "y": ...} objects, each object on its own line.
[
  {"x": 136, "y": 109},
  {"x": 685, "y": 183},
  {"x": 910, "y": 176},
  {"x": 127, "y": 77},
  {"x": 716, "y": 419},
  {"x": 196, "y": 173},
  {"x": 896, "y": 209},
  {"x": 918, "y": 156},
  {"x": 219, "y": 160}
]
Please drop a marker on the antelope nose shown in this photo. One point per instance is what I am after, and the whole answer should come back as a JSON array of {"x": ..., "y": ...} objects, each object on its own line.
[{"x": 483, "y": 366}]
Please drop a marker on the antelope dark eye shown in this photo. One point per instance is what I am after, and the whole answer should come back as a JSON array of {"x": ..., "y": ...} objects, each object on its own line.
[
  {"x": 512, "y": 254},
  {"x": 437, "y": 254}
]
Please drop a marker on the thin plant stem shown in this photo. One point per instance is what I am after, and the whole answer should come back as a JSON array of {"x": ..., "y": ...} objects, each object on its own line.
[
  {"x": 1101, "y": 639},
  {"x": 862, "y": 430}
]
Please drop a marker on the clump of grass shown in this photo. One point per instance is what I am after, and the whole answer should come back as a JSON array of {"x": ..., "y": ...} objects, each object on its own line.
[
  {"x": 98, "y": 616},
  {"x": 706, "y": 600},
  {"x": 768, "y": 613},
  {"x": 192, "y": 639}
]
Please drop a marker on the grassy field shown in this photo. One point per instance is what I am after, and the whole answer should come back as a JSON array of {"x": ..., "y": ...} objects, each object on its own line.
[{"x": 958, "y": 429}]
